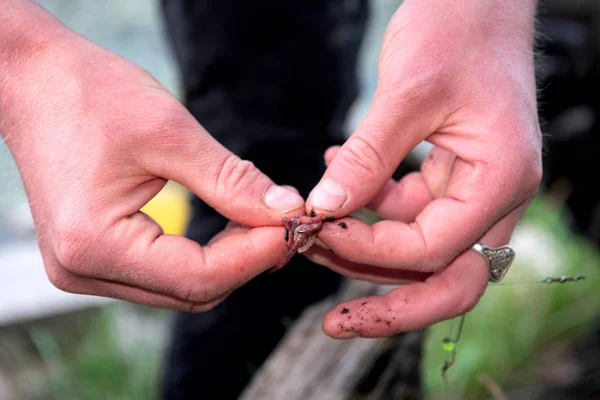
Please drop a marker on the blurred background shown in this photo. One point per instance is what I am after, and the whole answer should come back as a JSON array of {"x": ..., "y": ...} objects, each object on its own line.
[{"x": 526, "y": 339}]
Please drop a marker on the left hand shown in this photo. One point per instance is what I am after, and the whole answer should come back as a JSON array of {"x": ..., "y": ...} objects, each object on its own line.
[{"x": 460, "y": 75}]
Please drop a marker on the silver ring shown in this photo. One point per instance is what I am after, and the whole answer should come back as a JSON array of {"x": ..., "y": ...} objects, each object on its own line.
[{"x": 498, "y": 259}]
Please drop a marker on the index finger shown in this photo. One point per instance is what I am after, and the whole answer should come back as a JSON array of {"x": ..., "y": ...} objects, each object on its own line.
[
  {"x": 136, "y": 253},
  {"x": 452, "y": 292}
]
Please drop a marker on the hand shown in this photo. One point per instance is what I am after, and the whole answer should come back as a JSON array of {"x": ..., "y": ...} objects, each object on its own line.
[
  {"x": 95, "y": 138},
  {"x": 460, "y": 75}
]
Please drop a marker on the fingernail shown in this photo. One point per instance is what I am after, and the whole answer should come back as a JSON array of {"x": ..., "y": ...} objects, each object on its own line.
[
  {"x": 346, "y": 335},
  {"x": 328, "y": 195},
  {"x": 282, "y": 200}
]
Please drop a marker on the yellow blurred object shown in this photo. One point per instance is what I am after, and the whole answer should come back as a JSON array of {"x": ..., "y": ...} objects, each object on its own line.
[{"x": 170, "y": 208}]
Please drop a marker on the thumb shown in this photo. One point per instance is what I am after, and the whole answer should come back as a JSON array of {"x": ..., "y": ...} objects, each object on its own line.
[
  {"x": 236, "y": 188},
  {"x": 368, "y": 159}
]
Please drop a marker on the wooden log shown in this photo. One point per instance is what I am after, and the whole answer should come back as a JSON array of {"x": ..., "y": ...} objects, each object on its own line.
[{"x": 308, "y": 365}]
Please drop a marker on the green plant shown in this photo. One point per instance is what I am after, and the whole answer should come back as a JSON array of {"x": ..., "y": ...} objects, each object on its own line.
[
  {"x": 98, "y": 366},
  {"x": 519, "y": 320}
]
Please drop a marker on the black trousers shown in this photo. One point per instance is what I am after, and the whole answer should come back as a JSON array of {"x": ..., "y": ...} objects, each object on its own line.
[{"x": 273, "y": 81}]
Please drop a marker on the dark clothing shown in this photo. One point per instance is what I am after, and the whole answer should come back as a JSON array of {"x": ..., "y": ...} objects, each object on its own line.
[{"x": 272, "y": 81}]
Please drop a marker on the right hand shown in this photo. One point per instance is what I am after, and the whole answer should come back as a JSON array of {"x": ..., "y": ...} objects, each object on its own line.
[
  {"x": 459, "y": 75},
  {"x": 95, "y": 138}
]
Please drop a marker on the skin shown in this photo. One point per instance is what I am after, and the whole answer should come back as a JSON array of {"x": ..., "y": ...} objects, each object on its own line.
[
  {"x": 95, "y": 138},
  {"x": 460, "y": 75}
]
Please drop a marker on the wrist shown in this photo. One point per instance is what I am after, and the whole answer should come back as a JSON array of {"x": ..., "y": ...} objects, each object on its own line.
[
  {"x": 513, "y": 20},
  {"x": 25, "y": 30},
  {"x": 29, "y": 37}
]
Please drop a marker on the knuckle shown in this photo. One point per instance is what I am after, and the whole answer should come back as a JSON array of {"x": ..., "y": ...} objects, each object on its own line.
[
  {"x": 171, "y": 119},
  {"x": 192, "y": 292},
  {"x": 427, "y": 83},
  {"x": 166, "y": 108},
  {"x": 203, "y": 307},
  {"x": 235, "y": 176},
  {"x": 198, "y": 290},
  {"x": 168, "y": 125},
  {"x": 535, "y": 178},
  {"x": 530, "y": 176},
  {"x": 433, "y": 258},
  {"x": 468, "y": 303},
  {"x": 524, "y": 166},
  {"x": 437, "y": 260},
  {"x": 517, "y": 179},
  {"x": 71, "y": 247},
  {"x": 463, "y": 297},
  {"x": 61, "y": 279},
  {"x": 363, "y": 159},
  {"x": 201, "y": 287}
]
